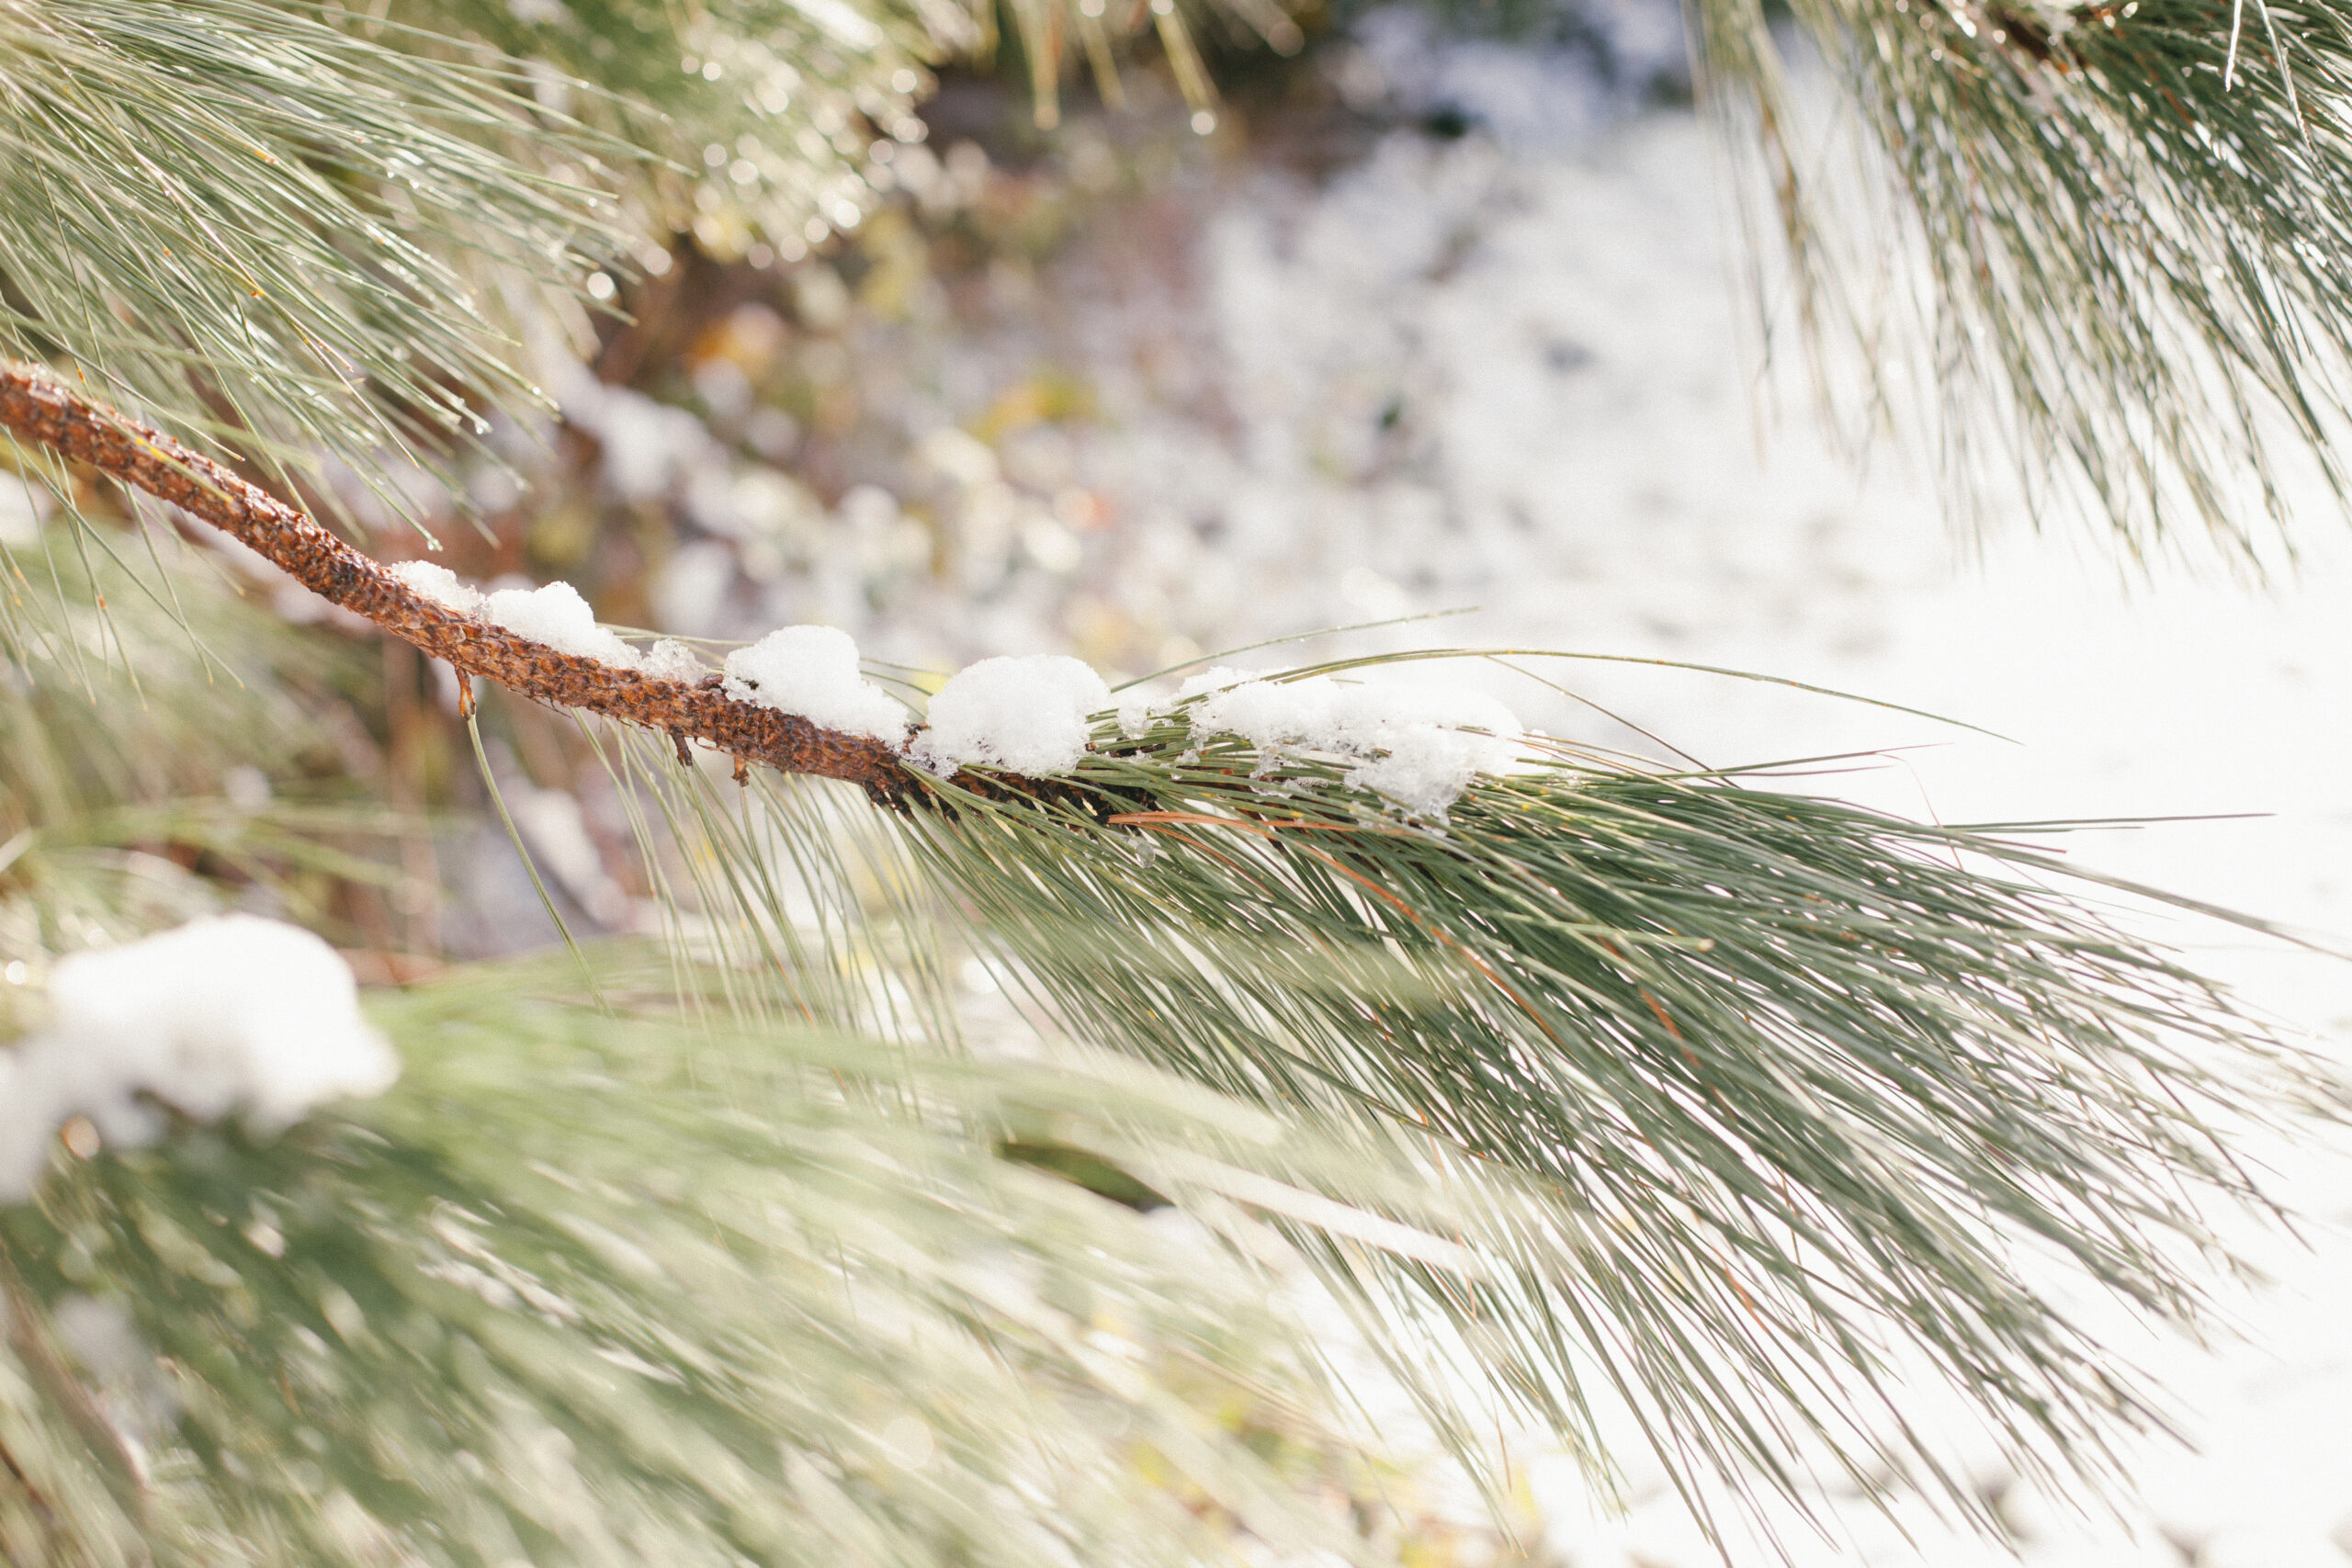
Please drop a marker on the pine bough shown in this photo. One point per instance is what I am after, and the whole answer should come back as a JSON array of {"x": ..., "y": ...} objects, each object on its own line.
[{"x": 1726, "y": 1105}]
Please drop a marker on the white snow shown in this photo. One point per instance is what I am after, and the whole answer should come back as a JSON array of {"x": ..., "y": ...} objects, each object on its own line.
[
  {"x": 811, "y": 672},
  {"x": 1138, "y": 707},
  {"x": 670, "y": 660},
  {"x": 1417, "y": 742},
  {"x": 557, "y": 615},
  {"x": 227, "y": 1013},
  {"x": 1027, "y": 715},
  {"x": 1136, "y": 710},
  {"x": 439, "y": 584}
]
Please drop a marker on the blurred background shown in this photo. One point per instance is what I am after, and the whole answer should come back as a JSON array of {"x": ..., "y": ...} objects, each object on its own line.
[{"x": 1423, "y": 330}]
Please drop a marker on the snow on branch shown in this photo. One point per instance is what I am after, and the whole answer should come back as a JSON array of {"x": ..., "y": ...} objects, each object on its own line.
[
  {"x": 508, "y": 642},
  {"x": 227, "y": 1014},
  {"x": 794, "y": 700}
]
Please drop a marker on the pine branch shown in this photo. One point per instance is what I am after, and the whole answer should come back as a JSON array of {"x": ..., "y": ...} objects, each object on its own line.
[
  {"x": 270, "y": 232},
  {"x": 1752, "y": 1081},
  {"x": 614, "y": 1289},
  {"x": 1784, "y": 1084},
  {"x": 2109, "y": 241},
  {"x": 38, "y": 406}
]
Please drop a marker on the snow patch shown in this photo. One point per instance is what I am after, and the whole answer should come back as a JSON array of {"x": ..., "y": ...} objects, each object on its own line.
[
  {"x": 1027, "y": 715},
  {"x": 224, "y": 1014},
  {"x": 671, "y": 660},
  {"x": 439, "y": 584},
  {"x": 1138, "y": 707},
  {"x": 1417, "y": 742},
  {"x": 558, "y": 616},
  {"x": 812, "y": 671},
  {"x": 555, "y": 614}
]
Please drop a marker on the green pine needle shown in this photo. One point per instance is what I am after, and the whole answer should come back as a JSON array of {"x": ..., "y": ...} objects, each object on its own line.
[
  {"x": 595, "y": 1288},
  {"x": 1763, "y": 1093},
  {"x": 262, "y": 230},
  {"x": 2109, "y": 241}
]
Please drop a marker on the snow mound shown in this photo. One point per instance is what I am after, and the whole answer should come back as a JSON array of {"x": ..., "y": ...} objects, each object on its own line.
[
  {"x": 229, "y": 1013},
  {"x": 671, "y": 660},
  {"x": 558, "y": 616},
  {"x": 555, "y": 614},
  {"x": 1137, "y": 708},
  {"x": 811, "y": 672},
  {"x": 439, "y": 584},
  {"x": 1417, "y": 742},
  {"x": 1027, "y": 715}
]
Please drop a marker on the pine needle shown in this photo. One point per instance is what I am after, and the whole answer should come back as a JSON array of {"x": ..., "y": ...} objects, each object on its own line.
[
  {"x": 2099, "y": 251},
  {"x": 1776, "y": 1092}
]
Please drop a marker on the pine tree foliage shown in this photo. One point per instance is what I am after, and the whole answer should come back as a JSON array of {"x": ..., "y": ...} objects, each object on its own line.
[
  {"x": 1677, "y": 1089},
  {"x": 1738, "y": 1096},
  {"x": 600, "y": 1290},
  {"x": 1763, "y": 1084},
  {"x": 758, "y": 115},
  {"x": 309, "y": 230},
  {"x": 2119, "y": 227},
  {"x": 765, "y": 114},
  {"x": 267, "y": 231},
  {"x": 767, "y": 1292},
  {"x": 140, "y": 694}
]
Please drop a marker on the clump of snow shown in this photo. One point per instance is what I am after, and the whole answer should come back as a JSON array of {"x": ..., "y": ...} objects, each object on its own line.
[
  {"x": 671, "y": 660},
  {"x": 558, "y": 616},
  {"x": 1416, "y": 742},
  {"x": 1138, "y": 707},
  {"x": 439, "y": 584},
  {"x": 1028, "y": 715},
  {"x": 555, "y": 614},
  {"x": 812, "y": 671},
  {"x": 224, "y": 1014}
]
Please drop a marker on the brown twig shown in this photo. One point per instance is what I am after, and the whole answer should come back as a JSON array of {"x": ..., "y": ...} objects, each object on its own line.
[{"x": 37, "y": 405}]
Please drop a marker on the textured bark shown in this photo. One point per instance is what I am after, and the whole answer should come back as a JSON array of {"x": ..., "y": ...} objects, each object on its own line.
[{"x": 38, "y": 406}]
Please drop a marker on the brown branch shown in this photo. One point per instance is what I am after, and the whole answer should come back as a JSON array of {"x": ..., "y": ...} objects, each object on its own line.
[{"x": 37, "y": 405}]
